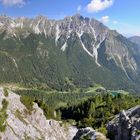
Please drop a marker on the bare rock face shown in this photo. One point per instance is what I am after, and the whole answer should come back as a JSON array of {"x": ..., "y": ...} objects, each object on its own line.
[
  {"x": 89, "y": 133},
  {"x": 34, "y": 126},
  {"x": 126, "y": 125}
]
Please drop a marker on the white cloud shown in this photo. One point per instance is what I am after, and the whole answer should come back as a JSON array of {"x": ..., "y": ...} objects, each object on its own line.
[
  {"x": 115, "y": 22},
  {"x": 79, "y": 8},
  {"x": 11, "y": 3},
  {"x": 98, "y": 5},
  {"x": 105, "y": 19}
]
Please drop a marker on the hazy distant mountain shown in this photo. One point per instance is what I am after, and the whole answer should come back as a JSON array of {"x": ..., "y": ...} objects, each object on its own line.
[
  {"x": 135, "y": 39},
  {"x": 75, "y": 51}
]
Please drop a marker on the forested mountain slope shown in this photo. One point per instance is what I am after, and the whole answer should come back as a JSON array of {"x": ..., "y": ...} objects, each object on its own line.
[{"x": 68, "y": 53}]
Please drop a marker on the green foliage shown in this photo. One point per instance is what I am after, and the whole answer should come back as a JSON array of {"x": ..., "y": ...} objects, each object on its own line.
[
  {"x": 98, "y": 110},
  {"x": 56, "y": 99},
  {"x": 103, "y": 129},
  {"x": 138, "y": 132},
  {"x": 36, "y": 60},
  {"x": 6, "y": 92},
  {"x": 3, "y": 115},
  {"x": 48, "y": 111},
  {"x": 86, "y": 138},
  {"x": 4, "y": 104},
  {"x": 28, "y": 102}
]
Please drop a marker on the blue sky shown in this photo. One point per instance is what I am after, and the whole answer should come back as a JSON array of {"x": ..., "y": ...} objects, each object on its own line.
[{"x": 122, "y": 15}]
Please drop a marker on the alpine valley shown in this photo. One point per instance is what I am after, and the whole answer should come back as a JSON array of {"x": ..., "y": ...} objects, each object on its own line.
[
  {"x": 70, "y": 79},
  {"x": 66, "y": 54}
]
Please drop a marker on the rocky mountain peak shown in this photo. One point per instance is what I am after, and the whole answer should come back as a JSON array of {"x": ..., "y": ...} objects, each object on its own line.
[
  {"x": 100, "y": 45},
  {"x": 78, "y": 17}
]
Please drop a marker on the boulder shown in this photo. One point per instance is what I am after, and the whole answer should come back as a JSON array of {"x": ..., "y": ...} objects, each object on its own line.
[
  {"x": 88, "y": 133},
  {"x": 126, "y": 125}
]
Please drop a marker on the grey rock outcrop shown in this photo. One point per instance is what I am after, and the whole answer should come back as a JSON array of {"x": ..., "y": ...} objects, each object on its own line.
[
  {"x": 34, "y": 126},
  {"x": 126, "y": 125},
  {"x": 89, "y": 133}
]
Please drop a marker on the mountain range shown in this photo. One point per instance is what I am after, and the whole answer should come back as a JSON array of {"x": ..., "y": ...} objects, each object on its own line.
[
  {"x": 135, "y": 39},
  {"x": 64, "y": 54}
]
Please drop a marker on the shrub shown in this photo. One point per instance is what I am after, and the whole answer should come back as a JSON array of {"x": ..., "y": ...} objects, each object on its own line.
[
  {"x": 86, "y": 138},
  {"x": 6, "y": 92},
  {"x": 138, "y": 132},
  {"x": 28, "y": 102},
  {"x": 3, "y": 115},
  {"x": 4, "y": 104},
  {"x": 103, "y": 130}
]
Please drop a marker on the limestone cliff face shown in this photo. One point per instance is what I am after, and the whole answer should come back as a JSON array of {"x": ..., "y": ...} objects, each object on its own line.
[
  {"x": 89, "y": 133},
  {"x": 126, "y": 125},
  {"x": 22, "y": 126}
]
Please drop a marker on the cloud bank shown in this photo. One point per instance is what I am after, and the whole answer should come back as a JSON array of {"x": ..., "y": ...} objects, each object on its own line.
[
  {"x": 10, "y": 3},
  {"x": 79, "y": 8},
  {"x": 105, "y": 19},
  {"x": 97, "y": 5}
]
